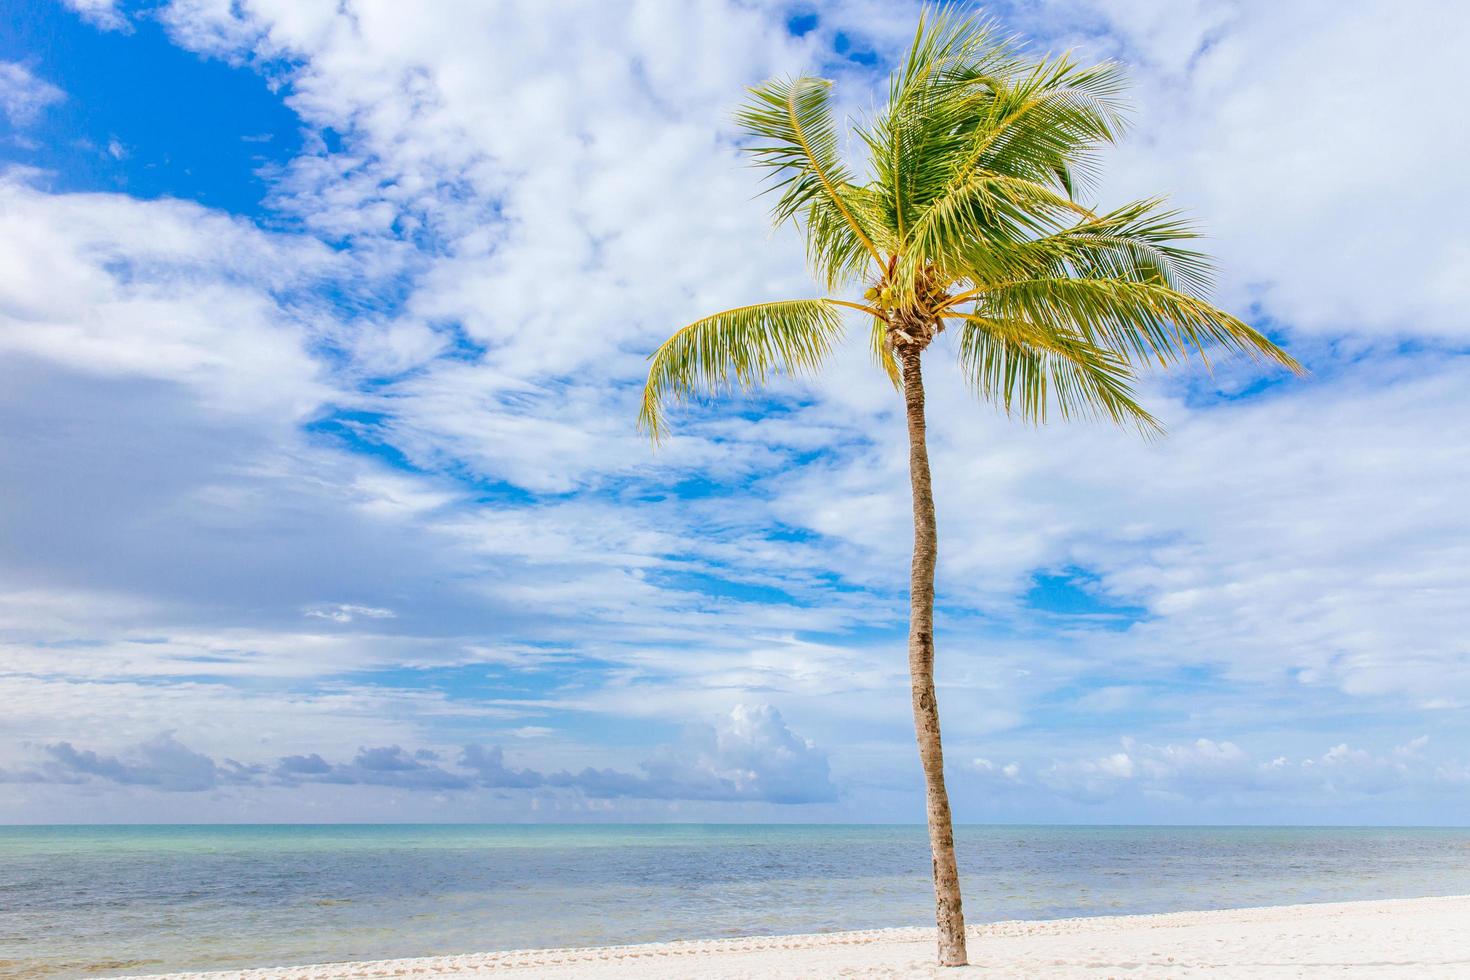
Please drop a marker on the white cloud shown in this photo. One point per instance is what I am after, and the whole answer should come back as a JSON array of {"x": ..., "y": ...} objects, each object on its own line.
[
  {"x": 1011, "y": 770},
  {"x": 542, "y": 193},
  {"x": 23, "y": 96},
  {"x": 346, "y": 612},
  {"x": 100, "y": 13},
  {"x": 756, "y": 754},
  {"x": 1312, "y": 138},
  {"x": 165, "y": 290},
  {"x": 1205, "y": 769}
]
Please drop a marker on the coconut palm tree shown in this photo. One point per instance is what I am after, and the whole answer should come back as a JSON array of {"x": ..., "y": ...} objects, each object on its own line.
[{"x": 970, "y": 217}]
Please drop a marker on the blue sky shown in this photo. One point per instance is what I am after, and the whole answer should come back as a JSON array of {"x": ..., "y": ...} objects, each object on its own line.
[{"x": 321, "y": 332}]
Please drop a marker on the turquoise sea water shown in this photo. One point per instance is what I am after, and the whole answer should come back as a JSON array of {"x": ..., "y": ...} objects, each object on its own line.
[{"x": 86, "y": 901}]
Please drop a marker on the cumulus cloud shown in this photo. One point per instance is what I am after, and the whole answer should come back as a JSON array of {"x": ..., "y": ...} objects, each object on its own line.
[
  {"x": 1207, "y": 769},
  {"x": 751, "y": 756},
  {"x": 23, "y": 96},
  {"x": 488, "y": 765},
  {"x": 162, "y": 763},
  {"x": 388, "y": 765}
]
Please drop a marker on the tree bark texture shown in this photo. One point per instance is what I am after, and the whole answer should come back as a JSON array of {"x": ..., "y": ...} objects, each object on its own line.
[{"x": 948, "y": 911}]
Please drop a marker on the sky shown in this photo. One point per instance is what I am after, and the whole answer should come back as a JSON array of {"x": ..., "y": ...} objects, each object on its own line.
[{"x": 322, "y": 329}]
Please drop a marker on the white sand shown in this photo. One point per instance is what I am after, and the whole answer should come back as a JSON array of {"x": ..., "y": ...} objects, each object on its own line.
[{"x": 1421, "y": 938}]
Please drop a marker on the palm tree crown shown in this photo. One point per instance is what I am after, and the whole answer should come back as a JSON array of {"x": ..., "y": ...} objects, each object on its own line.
[{"x": 969, "y": 217}]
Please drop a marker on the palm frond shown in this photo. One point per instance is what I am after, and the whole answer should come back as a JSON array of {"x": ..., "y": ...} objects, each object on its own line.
[
  {"x": 1138, "y": 242},
  {"x": 980, "y": 221},
  {"x": 883, "y": 352},
  {"x": 923, "y": 124},
  {"x": 1030, "y": 371},
  {"x": 1001, "y": 147},
  {"x": 1048, "y": 125},
  {"x": 835, "y": 255},
  {"x": 1142, "y": 320},
  {"x": 739, "y": 348},
  {"x": 799, "y": 150}
]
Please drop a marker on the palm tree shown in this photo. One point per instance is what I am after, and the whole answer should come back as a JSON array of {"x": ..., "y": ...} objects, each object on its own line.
[{"x": 969, "y": 217}]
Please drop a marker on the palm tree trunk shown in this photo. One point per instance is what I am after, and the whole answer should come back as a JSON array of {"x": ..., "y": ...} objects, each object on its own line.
[{"x": 948, "y": 911}]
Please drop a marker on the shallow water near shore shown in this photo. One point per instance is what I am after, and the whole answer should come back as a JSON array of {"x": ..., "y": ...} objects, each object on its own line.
[{"x": 86, "y": 901}]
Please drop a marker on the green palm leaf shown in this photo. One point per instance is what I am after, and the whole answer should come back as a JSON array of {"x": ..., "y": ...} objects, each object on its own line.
[
  {"x": 1138, "y": 242},
  {"x": 882, "y": 352},
  {"x": 975, "y": 221},
  {"x": 799, "y": 150},
  {"x": 1143, "y": 320},
  {"x": 924, "y": 124},
  {"x": 1003, "y": 152},
  {"x": 738, "y": 348},
  {"x": 1031, "y": 371},
  {"x": 1049, "y": 124}
]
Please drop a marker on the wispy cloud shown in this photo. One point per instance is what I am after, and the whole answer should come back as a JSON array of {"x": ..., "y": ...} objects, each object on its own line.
[
  {"x": 346, "y": 612},
  {"x": 23, "y": 96},
  {"x": 101, "y": 13}
]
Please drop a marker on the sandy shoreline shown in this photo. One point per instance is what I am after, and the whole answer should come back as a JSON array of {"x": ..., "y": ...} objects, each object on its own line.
[{"x": 1422, "y": 937}]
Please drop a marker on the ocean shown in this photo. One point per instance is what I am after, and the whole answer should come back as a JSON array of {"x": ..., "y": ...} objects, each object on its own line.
[{"x": 90, "y": 901}]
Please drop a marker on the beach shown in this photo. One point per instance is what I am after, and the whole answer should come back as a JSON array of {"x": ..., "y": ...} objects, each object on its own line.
[
  {"x": 1423, "y": 937},
  {"x": 88, "y": 901}
]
